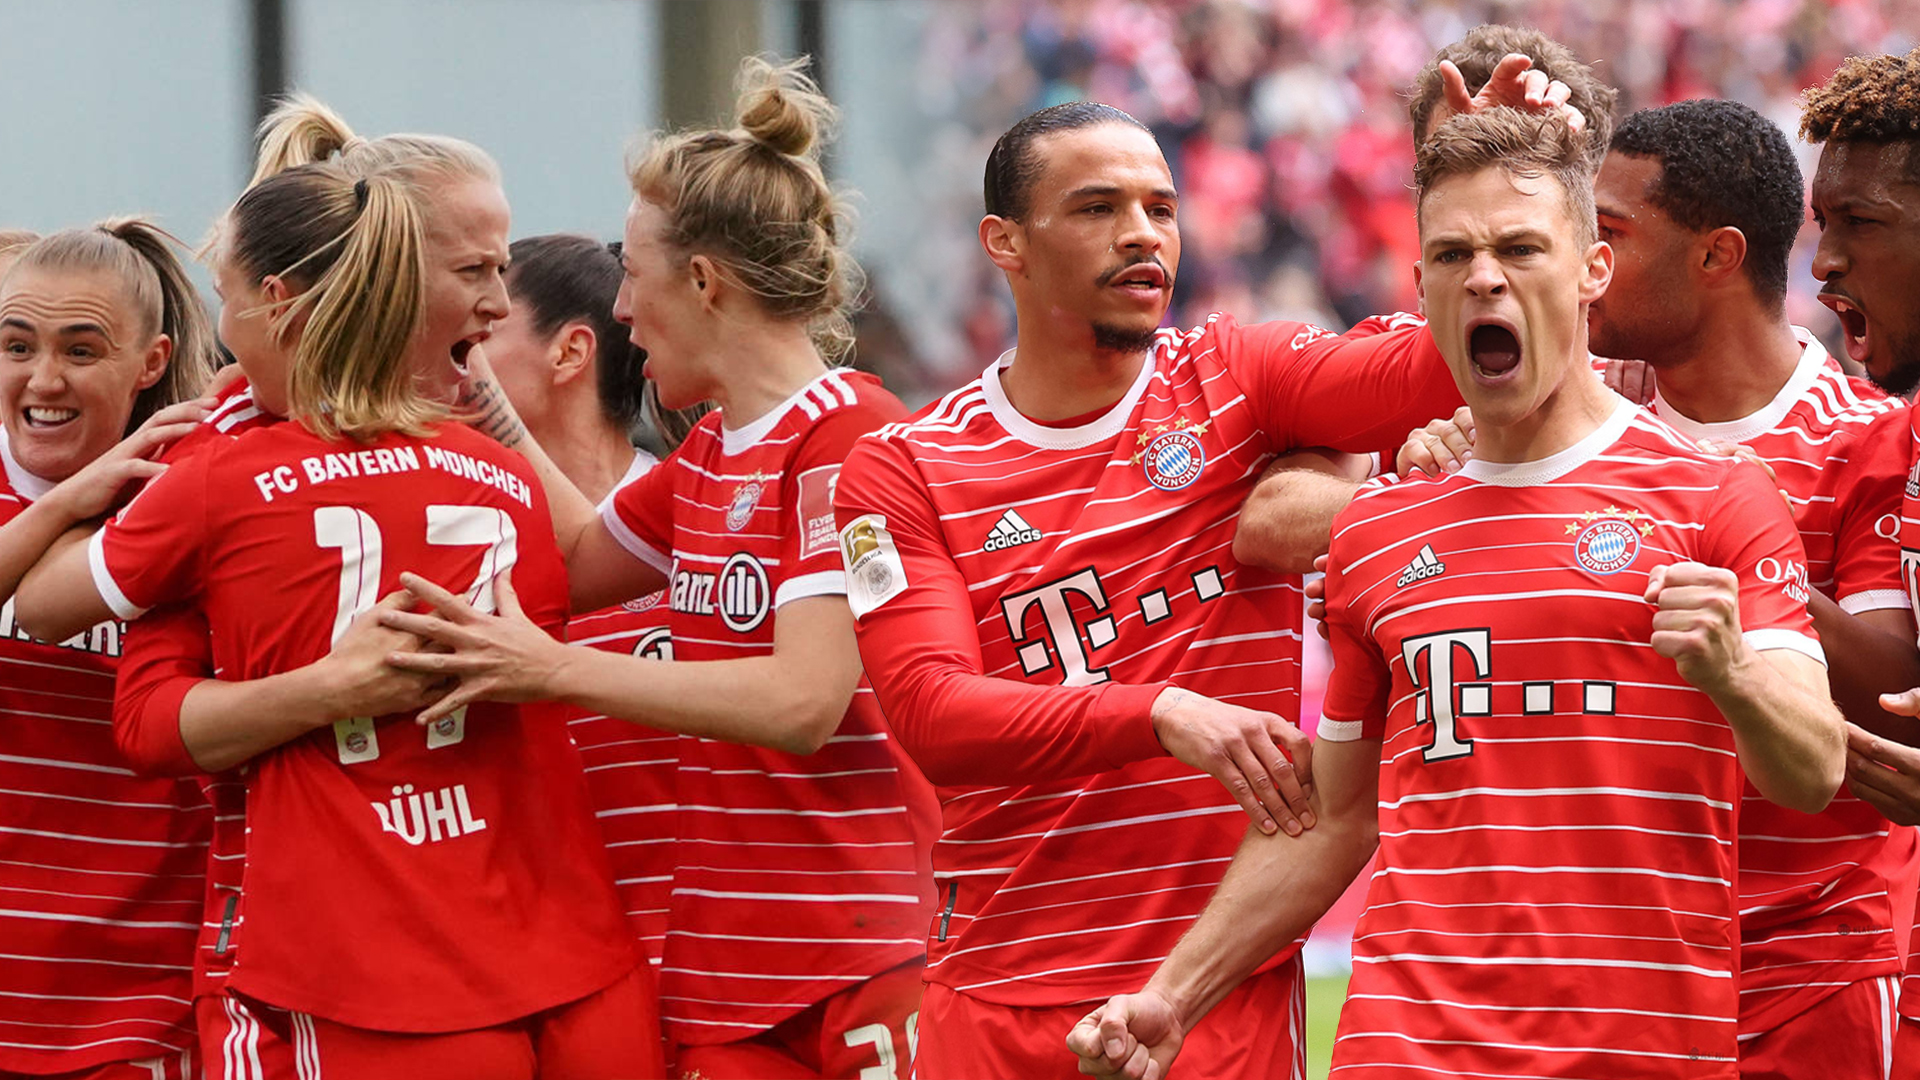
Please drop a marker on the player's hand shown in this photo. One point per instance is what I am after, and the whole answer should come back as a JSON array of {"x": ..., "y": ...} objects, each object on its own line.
[
  {"x": 1631, "y": 379},
  {"x": 1882, "y": 773},
  {"x": 1264, "y": 761},
  {"x": 1514, "y": 84},
  {"x": 1316, "y": 591},
  {"x": 1697, "y": 625},
  {"x": 503, "y": 657},
  {"x": 97, "y": 488},
  {"x": 356, "y": 672},
  {"x": 1132, "y": 1035},
  {"x": 1442, "y": 447}
]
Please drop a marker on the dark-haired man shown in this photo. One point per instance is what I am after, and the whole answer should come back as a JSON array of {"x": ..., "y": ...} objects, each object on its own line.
[
  {"x": 1551, "y": 670},
  {"x": 1053, "y": 621},
  {"x": 1866, "y": 199},
  {"x": 1699, "y": 294}
]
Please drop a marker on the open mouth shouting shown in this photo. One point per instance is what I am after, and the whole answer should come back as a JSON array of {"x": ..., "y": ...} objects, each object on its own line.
[
  {"x": 464, "y": 346},
  {"x": 1493, "y": 346},
  {"x": 1853, "y": 323}
]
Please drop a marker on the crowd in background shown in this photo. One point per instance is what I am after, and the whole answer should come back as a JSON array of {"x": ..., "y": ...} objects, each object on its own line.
[{"x": 1285, "y": 124}]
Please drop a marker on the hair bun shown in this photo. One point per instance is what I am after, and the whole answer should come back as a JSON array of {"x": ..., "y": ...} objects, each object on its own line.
[{"x": 781, "y": 107}]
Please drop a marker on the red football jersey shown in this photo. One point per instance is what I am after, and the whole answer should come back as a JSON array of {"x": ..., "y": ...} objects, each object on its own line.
[
  {"x": 1816, "y": 913},
  {"x": 1024, "y": 593},
  {"x": 165, "y": 652},
  {"x": 630, "y": 768},
  {"x": 1558, "y": 808},
  {"x": 1910, "y": 575},
  {"x": 101, "y": 871},
  {"x": 395, "y": 878},
  {"x": 794, "y": 877}
]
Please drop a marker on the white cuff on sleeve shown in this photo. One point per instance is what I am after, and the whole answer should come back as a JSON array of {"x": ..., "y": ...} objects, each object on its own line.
[
  {"x": 635, "y": 546},
  {"x": 824, "y": 583},
  {"x": 1875, "y": 600},
  {"x": 1338, "y": 730},
  {"x": 103, "y": 581},
  {"x": 1763, "y": 640}
]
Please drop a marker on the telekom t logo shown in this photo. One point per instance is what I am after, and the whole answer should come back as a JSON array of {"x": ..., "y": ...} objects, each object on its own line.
[
  {"x": 1435, "y": 700},
  {"x": 1058, "y": 627}
]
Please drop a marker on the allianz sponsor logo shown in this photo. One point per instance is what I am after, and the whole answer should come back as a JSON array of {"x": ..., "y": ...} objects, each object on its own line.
[
  {"x": 101, "y": 638},
  {"x": 1424, "y": 565},
  {"x": 428, "y": 818}
]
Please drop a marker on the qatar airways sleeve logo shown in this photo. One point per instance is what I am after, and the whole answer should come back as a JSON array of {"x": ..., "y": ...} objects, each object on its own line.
[{"x": 1791, "y": 576}]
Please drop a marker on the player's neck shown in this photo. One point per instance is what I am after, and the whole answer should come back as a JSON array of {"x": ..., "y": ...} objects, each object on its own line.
[
  {"x": 1737, "y": 367},
  {"x": 1059, "y": 375},
  {"x": 587, "y": 450},
  {"x": 764, "y": 367},
  {"x": 1571, "y": 413}
]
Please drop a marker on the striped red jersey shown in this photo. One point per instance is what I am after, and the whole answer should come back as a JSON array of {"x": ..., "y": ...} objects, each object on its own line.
[
  {"x": 1910, "y": 576},
  {"x": 1816, "y": 910},
  {"x": 101, "y": 871},
  {"x": 396, "y": 878},
  {"x": 1554, "y": 893},
  {"x": 794, "y": 877},
  {"x": 1024, "y": 593},
  {"x": 630, "y": 768},
  {"x": 166, "y": 651}
]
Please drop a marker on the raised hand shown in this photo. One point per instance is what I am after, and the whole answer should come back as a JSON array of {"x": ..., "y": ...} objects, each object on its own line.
[
  {"x": 97, "y": 488},
  {"x": 1264, "y": 761},
  {"x": 1442, "y": 447},
  {"x": 1514, "y": 84},
  {"x": 1698, "y": 624},
  {"x": 1631, "y": 379}
]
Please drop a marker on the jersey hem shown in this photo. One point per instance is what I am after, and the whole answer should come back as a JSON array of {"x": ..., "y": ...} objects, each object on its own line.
[
  {"x": 1792, "y": 640},
  {"x": 823, "y": 583},
  {"x": 1875, "y": 600},
  {"x": 108, "y": 588},
  {"x": 635, "y": 546}
]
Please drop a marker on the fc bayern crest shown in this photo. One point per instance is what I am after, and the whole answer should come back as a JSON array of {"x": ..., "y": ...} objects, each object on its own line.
[
  {"x": 1608, "y": 541},
  {"x": 1174, "y": 460},
  {"x": 740, "y": 510}
]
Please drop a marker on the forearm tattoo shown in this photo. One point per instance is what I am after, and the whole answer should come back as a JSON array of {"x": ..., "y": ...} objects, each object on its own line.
[{"x": 486, "y": 405}]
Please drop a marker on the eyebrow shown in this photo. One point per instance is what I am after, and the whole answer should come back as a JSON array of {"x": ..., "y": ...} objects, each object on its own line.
[
  {"x": 1093, "y": 190},
  {"x": 1607, "y": 211}
]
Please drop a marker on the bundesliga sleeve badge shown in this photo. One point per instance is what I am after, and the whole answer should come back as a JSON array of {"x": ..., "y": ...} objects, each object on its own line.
[
  {"x": 1607, "y": 541},
  {"x": 875, "y": 573}
]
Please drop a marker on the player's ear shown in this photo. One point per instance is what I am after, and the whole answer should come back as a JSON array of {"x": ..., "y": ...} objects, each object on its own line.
[
  {"x": 1599, "y": 271},
  {"x": 572, "y": 352},
  {"x": 1420, "y": 284},
  {"x": 154, "y": 364},
  {"x": 1005, "y": 241},
  {"x": 705, "y": 278},
  {"x": 1725, "y": 252}
]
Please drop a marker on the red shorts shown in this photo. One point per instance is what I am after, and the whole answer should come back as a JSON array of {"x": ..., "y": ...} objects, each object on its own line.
[
  {"x": 1906, "y": 1050},
  {"x": 1258, "y": 1032},
  {"x": 610, "y": 1035},
  {"x": 1848, "y": 1035},
  {"x": 863, "y": 1033},
  {"x": 176, "y": 1066}
]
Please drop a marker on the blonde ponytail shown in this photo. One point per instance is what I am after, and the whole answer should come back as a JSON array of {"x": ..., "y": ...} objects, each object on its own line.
[{"x": 300, "y": 130}]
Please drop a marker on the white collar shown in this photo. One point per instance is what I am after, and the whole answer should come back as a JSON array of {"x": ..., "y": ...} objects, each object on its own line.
[
  {"x": 1813, "y": 360},
  {"x": 643, "y": 464},
  {"x": 25, "y": 484},
  {"x": 1103, "y": 429},
  {"x": 1553, "y": 467},
  {"x": 740, "y": 440}
]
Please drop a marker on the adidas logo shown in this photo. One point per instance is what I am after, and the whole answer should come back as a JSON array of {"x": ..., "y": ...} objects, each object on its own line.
[
  {"x": 1011, "y": 530},
  {"x": 1424, "y": 565}
]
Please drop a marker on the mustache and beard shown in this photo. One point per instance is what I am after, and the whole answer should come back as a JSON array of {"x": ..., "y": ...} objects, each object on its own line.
[{"x": 1110, "y": 337}]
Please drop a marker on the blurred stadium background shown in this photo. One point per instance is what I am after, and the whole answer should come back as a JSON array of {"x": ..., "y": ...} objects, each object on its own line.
[{"x": 1282, "y": 119}]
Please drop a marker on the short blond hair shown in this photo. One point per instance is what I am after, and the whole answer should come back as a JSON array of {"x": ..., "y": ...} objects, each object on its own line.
[{"x": 1523, "y": 144}]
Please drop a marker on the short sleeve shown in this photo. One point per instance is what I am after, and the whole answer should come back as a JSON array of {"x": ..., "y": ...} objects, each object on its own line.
[
  {"x": 810, "y": 560},
  {"x": 1360, "y": 688},
  {"x": 1359, "y": 392},
  {"x": 640, "y": 514},
  {"x": 1749, "y": 531},
  {"x": 153, "y": 552},
  {"x": 1866, "y": 491}
]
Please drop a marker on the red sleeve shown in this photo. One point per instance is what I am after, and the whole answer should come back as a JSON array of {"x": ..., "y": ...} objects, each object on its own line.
[
  {"x": 922, "y": 652},
  {"x": 162, "y": 656},
  {"x": 1866, "y": 493},
  {"x": 1359, "y": 392},
  {"x": 1359, "y": 689},
  {"x": 1749, "y": 531},
  {"x": 640, "y": 515},
  {"x": 810, "y": 545},
  {"x": 151, "y": 553}
]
